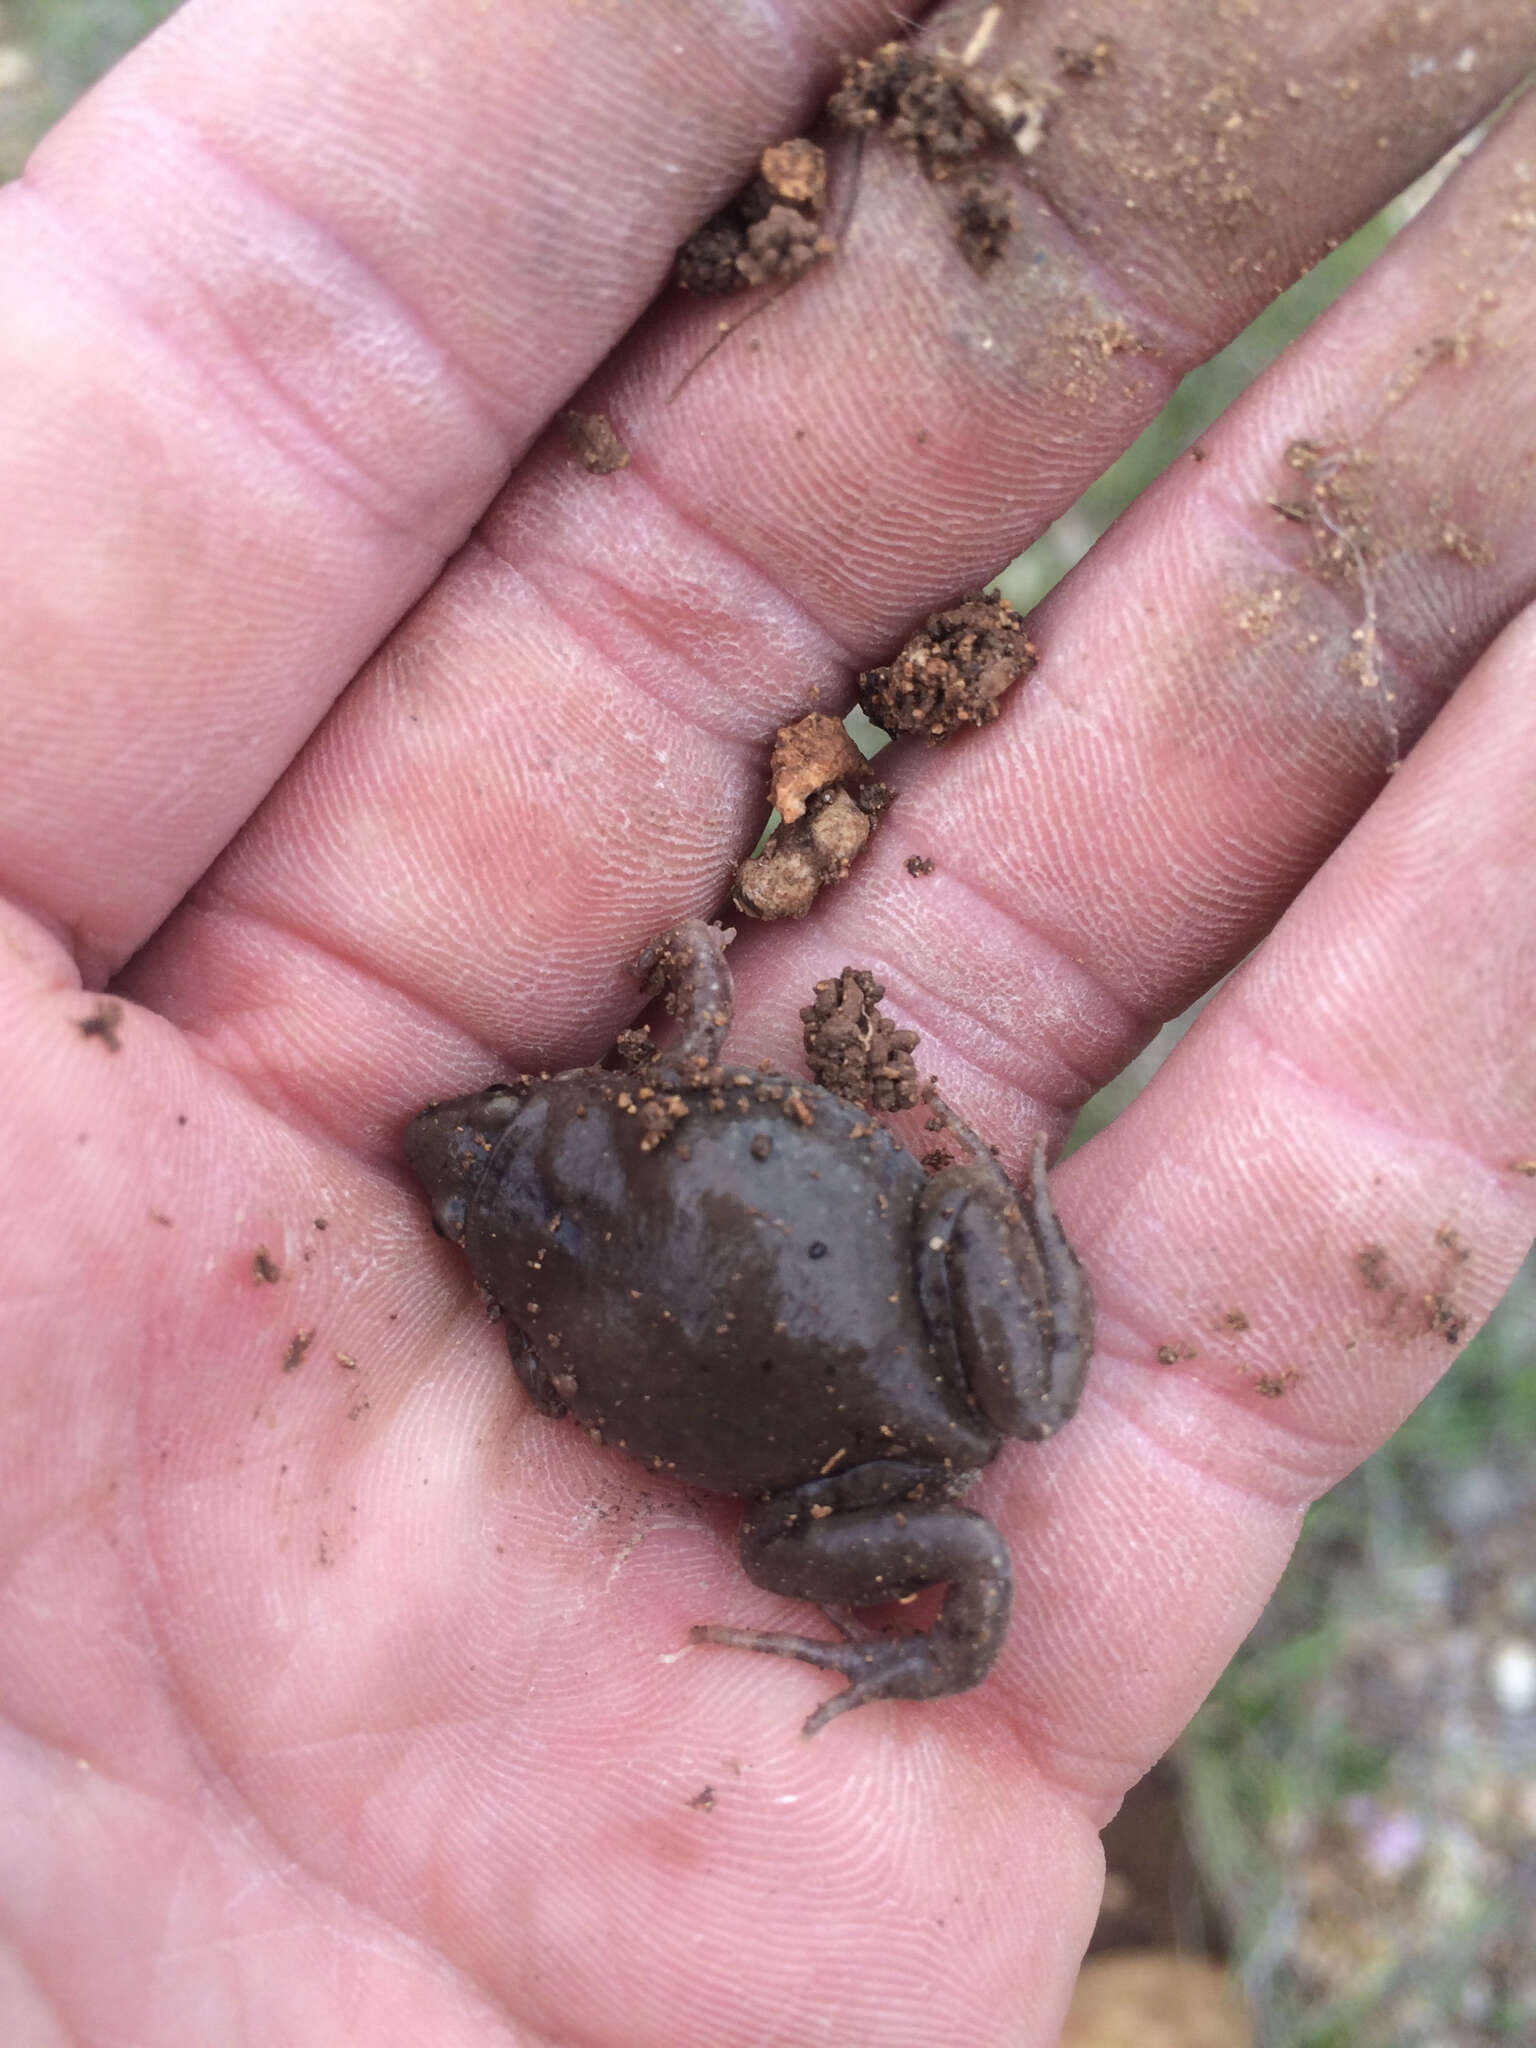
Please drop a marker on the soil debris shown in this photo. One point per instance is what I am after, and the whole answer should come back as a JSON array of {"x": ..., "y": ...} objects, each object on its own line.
[
  {"x": 942, "y": 108},
  {"x": 946, "y": 112},
  {"x": 1409, "y": 1312},
  {"x": 769, "y": 231},
  {"x": 984, "y": 219},
  {"x": 800, "y": 860},
  {"x": 592, "y": 440},
  {"x": 796, "y": 172},
  {"x": 1455, "y": 349},
  {"x": 918, "y": 864},
  {"x": 919, "y": 101},
  {"x": 1452, "y": 538},
  {"x": 1444, "y": 1318},
  {"x": 854, "y": 1049},
  {"x": 298, "y": 1344},
  {"x": 636, "y": 1048},
  {"x": 781, "y": 247},
  {"x": 953, "y": 672},
  {"x": 268, "y": 1272},
  {"x": 1337, "y": 509},
  {"x": 1086, "y": 60},
  {"x": 807, "y": 755},
  {"x": 1337, "y": 506},
  {"x": 103, "y": 1023},
  {"x": 706, "y": 263},
  {"x": 1374, "y": 1267}
]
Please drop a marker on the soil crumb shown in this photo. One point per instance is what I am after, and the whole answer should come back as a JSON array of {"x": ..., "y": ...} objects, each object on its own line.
[
  {"x": 103, "y": 1023},
  {"x": 796, "y": 172},
  {"x": 636, "y": 1048},
  {"x": 945, "y": 111},
  {"x": 592, "y": 440},
  {"x": 800, "y": 860},
  {"x": 1086, "y": 60},
  {"x": 919, "y": 101},
  {"x": 265, "y": 1267},
  {"x": 783, "y": 244},
  {"x": 853, "y": 1048},
  {"x": 1406, "y": 1311},
  {"x": 769, "y": 232},
  {"x": 952, "y": 673},
  {"x": 1337, "y": 506},
  {"x": 1338, "y": 509},
  {"x": 918, "y": 864},
  {"x": 1374, "y": 1269},
  {"x": 298, "y": 1344},
  {"x": 984, "y": 219},
  {"x": 807, "y": 755}
]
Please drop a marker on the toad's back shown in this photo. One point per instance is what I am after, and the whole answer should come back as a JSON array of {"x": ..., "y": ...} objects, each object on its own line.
[{"x": 736, "y": 1302}]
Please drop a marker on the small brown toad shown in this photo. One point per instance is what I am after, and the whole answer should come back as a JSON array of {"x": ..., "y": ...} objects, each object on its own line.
[{"x": 743, "y": 1280}]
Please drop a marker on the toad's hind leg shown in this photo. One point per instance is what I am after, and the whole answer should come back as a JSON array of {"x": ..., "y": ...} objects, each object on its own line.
[
  {"x": 686, "y": 967},
  {"x": 804, "y": 1545}
]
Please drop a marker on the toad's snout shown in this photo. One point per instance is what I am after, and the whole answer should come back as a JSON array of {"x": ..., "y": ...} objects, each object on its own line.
[{"x": 447, "y": 1145}]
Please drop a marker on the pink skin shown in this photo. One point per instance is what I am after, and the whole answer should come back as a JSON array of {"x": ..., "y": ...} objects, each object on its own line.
[{"x": 344, "y": 1702}]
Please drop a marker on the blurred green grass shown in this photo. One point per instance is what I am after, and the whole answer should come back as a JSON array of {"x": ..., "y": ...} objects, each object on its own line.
[{"x": 50, "y": 51}]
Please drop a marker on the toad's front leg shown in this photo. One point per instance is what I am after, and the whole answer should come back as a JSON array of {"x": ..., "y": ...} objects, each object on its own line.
[
  {"x": 880, "y": 1532},
  {"x": 998, "y": 1281}
]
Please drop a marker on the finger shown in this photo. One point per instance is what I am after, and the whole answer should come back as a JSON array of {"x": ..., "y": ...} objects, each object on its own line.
[
  {"x": 1196, "y": 738},
  {"x": 1318, "y": 1199},
  {"x": 284, "y": 301}
]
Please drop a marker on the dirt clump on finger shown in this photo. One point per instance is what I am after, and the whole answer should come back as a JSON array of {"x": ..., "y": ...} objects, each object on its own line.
[
  {"x": 985, "y": 218},
  {"x": 798, "y": 861},
  {"x": 854, "y": 1049},
  {"x": 591, "y": 438},
  {"x": 952, "y": 673},
  {"x": 917, "y": 101},
  {"x": 770, "y": 231},
  {"x": 946, "y": 111},
  {"x": 829, "y": 805},
  {"x": 104, "y": 1022},
  {"x": 807, "y": 755}
]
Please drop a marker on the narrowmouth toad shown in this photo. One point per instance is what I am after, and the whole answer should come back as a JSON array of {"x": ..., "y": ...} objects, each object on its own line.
[{"x": 743, "y": 1280}]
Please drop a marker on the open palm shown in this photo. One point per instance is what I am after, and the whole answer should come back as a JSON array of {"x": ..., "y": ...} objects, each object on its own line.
[{"x": 357, "y": 738}]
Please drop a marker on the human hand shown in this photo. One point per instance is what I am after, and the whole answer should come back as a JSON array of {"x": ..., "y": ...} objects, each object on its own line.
[{"x": 341, "y": 1692}]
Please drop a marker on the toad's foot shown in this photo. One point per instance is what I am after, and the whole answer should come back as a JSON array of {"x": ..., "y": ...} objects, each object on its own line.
[
  {"x": 860, "y": 1556},
  {"x": 686, "y": 967}
]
